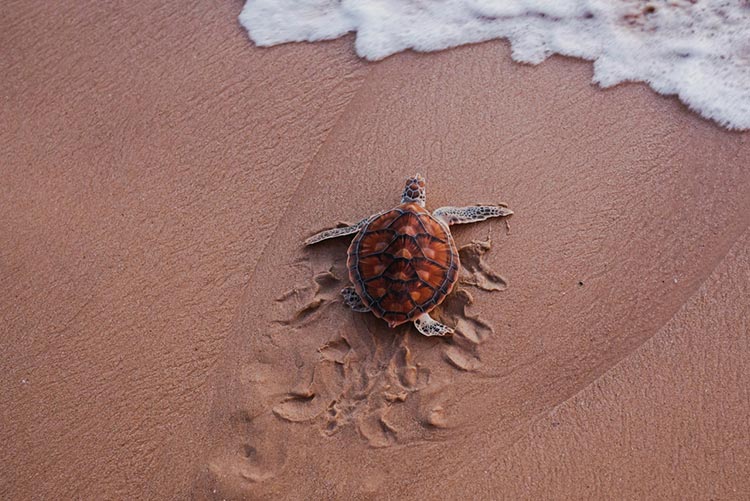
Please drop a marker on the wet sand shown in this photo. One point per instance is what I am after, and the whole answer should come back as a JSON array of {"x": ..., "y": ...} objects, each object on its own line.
[{"x": 166, "y": 335}]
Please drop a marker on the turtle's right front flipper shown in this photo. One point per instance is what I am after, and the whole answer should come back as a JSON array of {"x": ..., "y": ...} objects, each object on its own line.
[
  {"x": 471, "y": 214},
  {"x": 336, "y": 232}
]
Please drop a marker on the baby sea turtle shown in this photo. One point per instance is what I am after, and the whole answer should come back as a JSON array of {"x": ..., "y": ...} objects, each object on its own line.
[{"x": 403, "y": 261}]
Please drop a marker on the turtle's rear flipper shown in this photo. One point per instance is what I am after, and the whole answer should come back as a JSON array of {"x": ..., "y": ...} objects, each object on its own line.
[
  {"x": 353, "y": 301},
  {"x": 430, "y": 327}
]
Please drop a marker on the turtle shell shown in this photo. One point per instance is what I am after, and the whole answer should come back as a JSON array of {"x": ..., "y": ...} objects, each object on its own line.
[{"x": 402, "y": 263}]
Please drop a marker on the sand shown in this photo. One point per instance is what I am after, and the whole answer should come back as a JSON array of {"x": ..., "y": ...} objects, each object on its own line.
[{"x": 166, "y": 335}]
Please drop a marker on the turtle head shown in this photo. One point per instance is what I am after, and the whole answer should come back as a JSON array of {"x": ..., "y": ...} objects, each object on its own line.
[{"x": 414, "y": 191}]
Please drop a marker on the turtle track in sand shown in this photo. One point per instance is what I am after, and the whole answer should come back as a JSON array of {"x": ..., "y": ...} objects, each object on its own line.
[
  {"x": 386, "y": 383},
  {"x": 315, "y": 370}
]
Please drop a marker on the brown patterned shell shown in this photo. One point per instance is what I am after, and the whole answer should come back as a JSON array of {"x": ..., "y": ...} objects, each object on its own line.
[{"x": 403, "y": 263}]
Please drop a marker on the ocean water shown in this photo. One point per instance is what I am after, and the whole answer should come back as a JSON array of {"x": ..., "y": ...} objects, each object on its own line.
[{"x": 698, "y": 50}]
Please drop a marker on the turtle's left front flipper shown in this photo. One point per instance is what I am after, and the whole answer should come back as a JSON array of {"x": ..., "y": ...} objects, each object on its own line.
[
  {"x": 471, "y": 214},
  {"x": 336, "y": 232}
]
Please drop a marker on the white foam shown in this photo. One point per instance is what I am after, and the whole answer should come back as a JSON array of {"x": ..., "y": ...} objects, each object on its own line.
[{"x": 696, "y": 49}]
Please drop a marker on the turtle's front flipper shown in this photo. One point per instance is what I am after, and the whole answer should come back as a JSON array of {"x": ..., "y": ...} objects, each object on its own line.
[
  {"x": 429, "y": 327},
  {"x": 336, "y": 232},
  {"x": 472, "y": 214},
  {"x": 353, "y": 301}
]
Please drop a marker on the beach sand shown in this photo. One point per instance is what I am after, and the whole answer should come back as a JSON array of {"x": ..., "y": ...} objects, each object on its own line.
[{"x": 166, "y": 335}]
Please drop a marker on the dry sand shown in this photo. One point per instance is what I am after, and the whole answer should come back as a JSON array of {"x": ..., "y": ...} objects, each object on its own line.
[{"x": 165, "y": 334}]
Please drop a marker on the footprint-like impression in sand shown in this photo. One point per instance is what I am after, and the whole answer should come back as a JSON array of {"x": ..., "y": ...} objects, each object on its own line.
[
  {"x": 386, "y": 383},
  {"x": 349, "y": 371}
]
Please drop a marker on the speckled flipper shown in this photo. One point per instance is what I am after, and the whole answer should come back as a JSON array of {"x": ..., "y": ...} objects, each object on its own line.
[
  {"x": 429, "y": 327},
  {"x": 353, "y": 301},
  {"x": 336, "y": 232},
  {"x": 471, "y": 214}
]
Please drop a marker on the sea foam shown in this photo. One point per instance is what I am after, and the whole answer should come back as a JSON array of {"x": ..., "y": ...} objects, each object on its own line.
[{"x": 696, "y": 49}]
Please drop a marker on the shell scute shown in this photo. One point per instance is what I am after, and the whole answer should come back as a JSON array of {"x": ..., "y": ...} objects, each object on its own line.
[
  {"x": 397, "y": 303},
  {"x": 400, "y": 271},
  {"x": 435, "y": 249},
  {"x": 402, "y": 263},
  {"x": 377, "y": 241},
  {"x": 404, "y": 247},
  {"x": 387, "y": 218},
  {"x": 421, "y": 293},
  {"x": 430, "y": 273}
]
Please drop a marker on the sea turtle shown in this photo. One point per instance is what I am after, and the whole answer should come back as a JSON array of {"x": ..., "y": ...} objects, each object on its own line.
[{"x": 403, "y": 261}]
